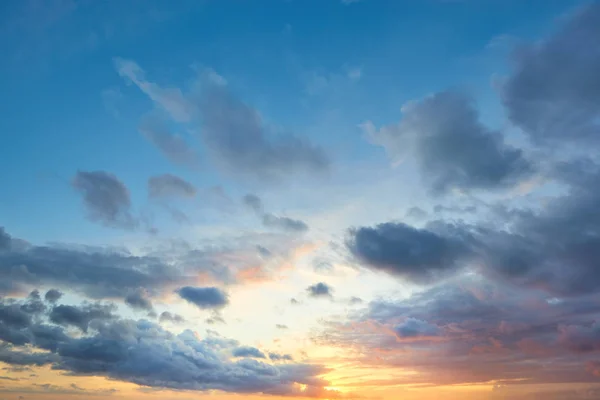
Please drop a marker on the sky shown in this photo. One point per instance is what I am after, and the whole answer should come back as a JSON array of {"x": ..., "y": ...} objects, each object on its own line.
[{"x": 309, "y": 199}]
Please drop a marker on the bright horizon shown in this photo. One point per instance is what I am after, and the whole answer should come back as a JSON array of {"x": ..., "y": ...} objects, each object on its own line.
[{"x": 315, "y": 199}]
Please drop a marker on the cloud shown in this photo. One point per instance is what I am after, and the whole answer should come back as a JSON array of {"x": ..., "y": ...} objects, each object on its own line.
[
  {"x": 173, "y": 318},
  {"x": 204, "y": 297},
  {"x": 270, "y": 220},
  {"x": 106, "y": 198},
  {"x": 470, "y": 330},
  {"x": 81, "y": 317},
  {"x": 251, "y": 352},
  {"x": 174, "y": 147},
  {"x": 171, "y": 100},
  {"x": 419, "y": 255},
  {"x": 242, "y": 144},
  {"x": 281, "y": 326},
  {"x": 144, "y": 353},
  {"x": 53, "y": 295},
  {"x": 320, "y": 290},
  {"x": 452, "y": 148},
  {"x": 168, "y": 185},
  {"x": 280, "y": 357},
  {"x": 253, "y": 202},
  {"x": 97, "y": 272},
  {"x": 553, "y": 91},
  {"x": 139, "y": 300},
  {"x": 412, "y": 327},
  {"x": 558, "y": 247}
]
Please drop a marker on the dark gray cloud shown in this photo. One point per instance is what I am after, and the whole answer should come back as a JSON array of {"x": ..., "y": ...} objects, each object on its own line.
[
  {"x": 139, "y": 300},
  {"x": 173, "y": 318},
  {"x": 553, "y": 93},
  {"x": 204, "y": 297},
  {"x": 412, "y": 327},
  {"x": 97, "y": 272},
  {"x": 557, "y": 247},
  {"x": 246, "y": 351},
  {"x": 81, "y": 317},
  {"x": 53, "y": 295},
  {"x": 168, "y": 185},
  {"x": 106, "y": 198},
  {"x": 419, "y": 255},
  {"x": 320, "y": 290},
  {"x": 174, "y": 147},
  {"x": 453, "y": 149}
]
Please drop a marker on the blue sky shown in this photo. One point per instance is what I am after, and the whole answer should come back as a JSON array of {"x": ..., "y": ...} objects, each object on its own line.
[{"x": 354, "y": 185}]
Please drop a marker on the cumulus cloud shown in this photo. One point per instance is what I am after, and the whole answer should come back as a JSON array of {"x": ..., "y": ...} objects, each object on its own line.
[
  {"x": 168, "y": 185},
  {"x": 144, "y": 353},
  {"x": 204, "y": 297},
  {"x": 139, "y": 300},
  {"x": 553, "y": 92},
  {"x": 250, "y": 352},
  {"x": 453, "y": 149},
  {"x": 106, "y": 198},
  {"x": 53, "y": 295},
  {"x": 419, "y": 255},
  {"x": 412, "y": 328},
  {"x": 81, "y": 317},
  {"x": 320, "y": 290}
]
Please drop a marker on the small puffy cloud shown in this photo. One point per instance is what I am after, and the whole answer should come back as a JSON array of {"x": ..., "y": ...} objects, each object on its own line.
[
  {"x": 173, "y": 318},
  {"x": 53, "y": 295},
  {"x": 280, "y": 357},
  {"x": 168, "y": 185},
  {"x": 281, "y": 326},
  {"x": 320, "y": 290},
  {"x": 106, "y": 198},
  {"x": 249, "y": 352},
  {"x": 204, "y": 297},
  {"x": 139, "y": 300}
]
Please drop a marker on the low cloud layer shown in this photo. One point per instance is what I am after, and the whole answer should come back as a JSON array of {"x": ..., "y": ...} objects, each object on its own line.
[{"x": 144, "y": 353}]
